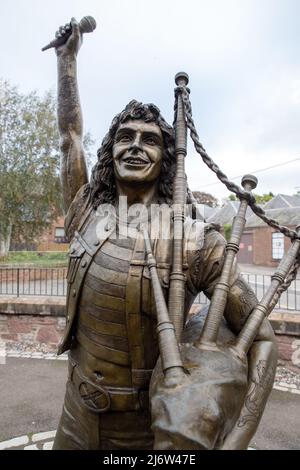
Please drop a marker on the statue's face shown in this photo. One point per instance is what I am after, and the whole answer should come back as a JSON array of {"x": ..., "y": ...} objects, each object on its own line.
[{"x": 137, "y": 151}]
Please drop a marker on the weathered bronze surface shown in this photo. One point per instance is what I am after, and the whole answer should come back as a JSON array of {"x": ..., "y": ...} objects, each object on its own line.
[{"x": 119, "y": 288}]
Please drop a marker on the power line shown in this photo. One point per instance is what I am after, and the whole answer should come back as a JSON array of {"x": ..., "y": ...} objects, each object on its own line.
[{"x": 253, "y": 172}]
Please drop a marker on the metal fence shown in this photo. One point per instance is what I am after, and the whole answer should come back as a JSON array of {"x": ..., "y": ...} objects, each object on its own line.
[
  {"x": 52, "y": 282},
  {"x": 289, "y": 300},
  {"x": 33, "y": 281}
]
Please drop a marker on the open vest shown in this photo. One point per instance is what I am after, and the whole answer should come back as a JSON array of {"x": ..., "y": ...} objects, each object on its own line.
[{"x": 111, "y": 314}]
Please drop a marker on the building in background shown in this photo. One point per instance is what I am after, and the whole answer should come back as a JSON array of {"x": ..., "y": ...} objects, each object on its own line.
[
  {"x": 224, "y": 215},
  {"x": 54, "y": 239},
  {"x": 261, "y": 244}
]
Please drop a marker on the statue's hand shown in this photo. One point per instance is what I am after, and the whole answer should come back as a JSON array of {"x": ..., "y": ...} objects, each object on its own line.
[{"x": 74, "y": 41}]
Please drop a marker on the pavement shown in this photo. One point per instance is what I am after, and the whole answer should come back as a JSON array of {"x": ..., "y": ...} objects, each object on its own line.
[
  {"x": 32, "y": 391},
  {"x": 254, "y": 269},
  {"x": 31, "y": 396}
]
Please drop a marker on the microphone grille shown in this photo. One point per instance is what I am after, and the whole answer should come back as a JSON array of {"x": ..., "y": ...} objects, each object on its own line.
[{"x": 87, "y": 24}]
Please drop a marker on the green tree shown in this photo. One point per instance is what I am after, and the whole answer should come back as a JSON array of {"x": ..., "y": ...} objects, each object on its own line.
[
  {"x": 260, "y": 199},
  {"x": 30, "y": 194},
  {"x": 264, "y": 198},
  {"x": 205, "y": 198},
  {"x": 227, "y": 231}
]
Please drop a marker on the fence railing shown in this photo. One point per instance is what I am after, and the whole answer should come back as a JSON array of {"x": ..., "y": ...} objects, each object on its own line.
[
  {"x": 33, "y": 281},
  {"x": 290, "y": 299},
  {"x": 52, "y": 282}
]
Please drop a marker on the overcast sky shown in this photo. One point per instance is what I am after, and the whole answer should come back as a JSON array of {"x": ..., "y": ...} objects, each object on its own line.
[{"x": 242, "y": 57}]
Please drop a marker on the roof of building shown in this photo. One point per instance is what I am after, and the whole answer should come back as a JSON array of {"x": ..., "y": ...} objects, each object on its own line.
[
  {"x": 288, "y": 216},
  {"x": 225, "y": 214},
  {"x": 282, "y": 200}
]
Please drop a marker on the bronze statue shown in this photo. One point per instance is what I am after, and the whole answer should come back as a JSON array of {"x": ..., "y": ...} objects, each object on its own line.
[{"x": 119, "y": 286}]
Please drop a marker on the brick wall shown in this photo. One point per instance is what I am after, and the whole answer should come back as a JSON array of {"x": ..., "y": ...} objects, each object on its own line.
[
  {"x": 29, "y": 325},
  {"x": 47, "y": 241},
  {"x": 30, "y": 333},
  {"x": 289, "y": 349},
  {"x": 262, "y": 246},
  {"x": 52, "y": 246}
]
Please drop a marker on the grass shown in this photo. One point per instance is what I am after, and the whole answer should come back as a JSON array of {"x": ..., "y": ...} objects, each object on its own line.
[{"x": 46, "y": 259}]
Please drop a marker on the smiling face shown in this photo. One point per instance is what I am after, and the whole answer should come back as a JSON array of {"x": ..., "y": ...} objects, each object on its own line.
[{"x": 137, "y": 152}]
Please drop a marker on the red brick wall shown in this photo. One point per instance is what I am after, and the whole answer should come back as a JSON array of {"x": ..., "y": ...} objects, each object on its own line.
[
  {"x": 262, "y": 246},
  {"x": 47, "y": 241},
  {"x": 29, "y": 333},
  {"x": 289, "y": 349},
  {"x": 36, "y": 325}
]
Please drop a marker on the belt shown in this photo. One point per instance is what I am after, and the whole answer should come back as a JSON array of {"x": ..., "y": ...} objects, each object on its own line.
[{"x": 101, "y": 398}]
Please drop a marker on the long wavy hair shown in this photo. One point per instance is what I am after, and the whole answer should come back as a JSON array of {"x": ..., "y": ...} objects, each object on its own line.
[{"x": 102, "y": 183}]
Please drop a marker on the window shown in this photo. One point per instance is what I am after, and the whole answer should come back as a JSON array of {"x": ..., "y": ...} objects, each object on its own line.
[
  {"x": 277, "y": 245},
  {"x": 60, "y": 236}
]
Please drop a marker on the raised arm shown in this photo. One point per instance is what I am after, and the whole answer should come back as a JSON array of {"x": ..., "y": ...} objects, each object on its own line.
[{"x": 73, "y": 165}]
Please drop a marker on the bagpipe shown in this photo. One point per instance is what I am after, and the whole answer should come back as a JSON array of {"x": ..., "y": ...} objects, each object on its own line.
[{"x": 200, "y": 381}]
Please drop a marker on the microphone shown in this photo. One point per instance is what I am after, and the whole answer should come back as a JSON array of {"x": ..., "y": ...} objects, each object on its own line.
[{"x": 87, "y": 25}]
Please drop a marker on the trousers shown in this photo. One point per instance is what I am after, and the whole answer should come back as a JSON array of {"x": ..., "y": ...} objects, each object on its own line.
[{"x": 82, "y": 429}]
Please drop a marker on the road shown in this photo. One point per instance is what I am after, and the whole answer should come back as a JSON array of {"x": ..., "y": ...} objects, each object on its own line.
[{"x": 32, "y": 391}]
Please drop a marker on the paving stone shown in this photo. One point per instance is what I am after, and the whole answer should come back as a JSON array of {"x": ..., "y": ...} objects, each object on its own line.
[
  {"x": 37, "y": 354},
  {"x": 42, "y": 436},
  {"x": 52, "y": 356},
  {"x": 31, "y": 447},
  {"x": 291, "y": 385},
  {"x": 15, "y": 442},
  {"x": 48, "y": 445},
  {"x": 283, "y": 389},
  {"x": 283, "y": 384}
]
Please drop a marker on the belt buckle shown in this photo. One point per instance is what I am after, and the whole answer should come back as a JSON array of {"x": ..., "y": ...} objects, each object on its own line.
[{"x": 90, "y": 397}]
